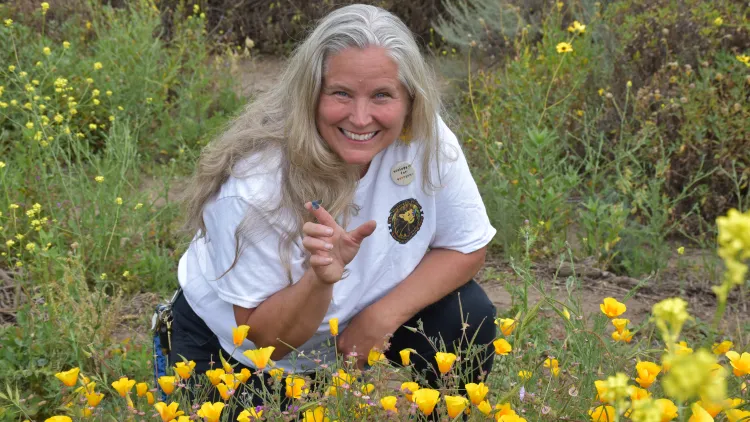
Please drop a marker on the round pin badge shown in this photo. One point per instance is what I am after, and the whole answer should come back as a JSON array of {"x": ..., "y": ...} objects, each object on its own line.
[{"x": 402, "y": 173}]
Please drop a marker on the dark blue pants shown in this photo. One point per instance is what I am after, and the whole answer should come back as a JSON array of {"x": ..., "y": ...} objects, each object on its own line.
[{"x": 443, "y": 319}]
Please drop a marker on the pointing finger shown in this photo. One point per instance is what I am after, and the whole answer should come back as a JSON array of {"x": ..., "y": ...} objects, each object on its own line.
[{"x": 321, "y": 214}]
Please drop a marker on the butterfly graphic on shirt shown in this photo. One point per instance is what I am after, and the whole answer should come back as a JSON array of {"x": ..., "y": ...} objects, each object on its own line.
[{"x": 405, "y": 219}]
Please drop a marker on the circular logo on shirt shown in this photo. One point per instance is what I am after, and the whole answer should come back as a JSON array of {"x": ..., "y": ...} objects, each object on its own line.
[{"x": 405, "y": 220}]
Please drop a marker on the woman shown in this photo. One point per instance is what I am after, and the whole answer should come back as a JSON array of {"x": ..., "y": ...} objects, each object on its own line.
[{"x": 354, "y": 125}]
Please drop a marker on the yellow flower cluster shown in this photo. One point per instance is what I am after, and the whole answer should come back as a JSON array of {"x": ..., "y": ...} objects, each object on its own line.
[{"x": 734, "y": 249}]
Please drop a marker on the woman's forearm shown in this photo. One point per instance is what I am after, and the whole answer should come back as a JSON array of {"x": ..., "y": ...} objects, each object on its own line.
[
  {"x": 291, "y": 316},
  {"x": 440, "y": 272}
]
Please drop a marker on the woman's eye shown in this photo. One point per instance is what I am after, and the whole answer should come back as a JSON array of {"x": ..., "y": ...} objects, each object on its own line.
[
  {"x": 382, "y": 95},
  {"x": 340, "y": 94}
]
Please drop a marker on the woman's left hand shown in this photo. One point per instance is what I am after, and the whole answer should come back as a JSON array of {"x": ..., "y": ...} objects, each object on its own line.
[{"x": 368, "y": 329}]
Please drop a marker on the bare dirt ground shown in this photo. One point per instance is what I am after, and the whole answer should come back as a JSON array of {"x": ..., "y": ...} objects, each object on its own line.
[{"x": 684, "y": 276}]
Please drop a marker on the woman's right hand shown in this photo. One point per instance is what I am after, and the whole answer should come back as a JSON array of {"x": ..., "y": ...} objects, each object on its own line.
[{"x": 330, "y": 246}]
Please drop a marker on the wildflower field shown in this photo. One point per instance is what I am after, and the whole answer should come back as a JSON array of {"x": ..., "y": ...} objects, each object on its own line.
[{"x": 611, "y": 143}]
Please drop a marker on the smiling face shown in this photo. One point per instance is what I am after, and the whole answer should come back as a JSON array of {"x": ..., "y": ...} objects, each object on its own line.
[{"x": 362, "y": 105}]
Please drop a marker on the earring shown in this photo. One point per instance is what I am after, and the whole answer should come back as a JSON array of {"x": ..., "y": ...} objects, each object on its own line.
[{"x": 405, "y": 136}]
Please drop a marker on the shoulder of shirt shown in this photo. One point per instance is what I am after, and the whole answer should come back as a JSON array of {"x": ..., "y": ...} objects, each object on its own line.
[{"x": 255, "y": 179}]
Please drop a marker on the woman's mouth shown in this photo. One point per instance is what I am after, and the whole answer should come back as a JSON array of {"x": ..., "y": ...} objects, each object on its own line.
[{"x": 361, "y": 137}]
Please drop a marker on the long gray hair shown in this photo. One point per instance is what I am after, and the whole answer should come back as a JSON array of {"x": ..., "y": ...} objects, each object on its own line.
[{"x": 283, "y": 119}]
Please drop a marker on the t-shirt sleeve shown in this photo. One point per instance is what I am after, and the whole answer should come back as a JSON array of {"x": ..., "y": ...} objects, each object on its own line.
[
  {"x": 258, "y": 273},
  {"x": 462, "y": 223}
]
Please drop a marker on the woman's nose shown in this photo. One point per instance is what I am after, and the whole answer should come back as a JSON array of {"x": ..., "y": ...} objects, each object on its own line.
[{"x": 360, "y": 115}]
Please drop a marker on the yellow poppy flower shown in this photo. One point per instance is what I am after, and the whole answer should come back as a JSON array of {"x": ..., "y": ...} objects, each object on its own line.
[
  {"x": 315, "y": 415},
  {"x": 445, "y": 361},
  {"x": 211, "y": 412},
  {"x": 699, "y": 414},
  {"x": 668, "y": 409},
  {"x": 230, "y": 380},
  {"x": 477, "y": 392},
  {"x": 647, "y": 372},
  {"x": 225, "y": 392},
  {"x": 736, "y": 415},
  {"x": 612, "y": 308},
  {"x": 333, "y": 323},
  {"x": 167, "y": 384},
  {"x": 389, "y": 403},
  {"x": 214, "y": 376},
  {"x": 141, "y": 388},
  {"x": 722, "y": 348},
  {"x": 123, "y": 386},
  {"x": 260, "y": 357},
  {"x": 602, "y": 414},
  {"x": 168, "y": 412},
  {"x": 69, "y": 377},
  {"x": 59, "y": 419},
  {"x": 150, "y": 398},
  {"x": 426, "y": 399},
  {"x": 93, "y": 399},
  {"x": 276, "y": 373},
  {"x": 409, "y": 388},
  {"x": 507, "y": 325},
  {"x": 740, "y": 363},
  {"x": 405, "y": 357},
  {"x": 620, "y": 324},
  {"x": 239, "y": 334},
  {"x": 294, "y": 387},
  {"x": 249, "y": 415},
  {"x": 243, "y": 375},
  {"x": 502, "y": 347},
  {"x": 374, "y": 356},
  {"x": 184, "y": 369},
  {"x": 485, "y": 407},
  {"x": 455, "y": 405}
]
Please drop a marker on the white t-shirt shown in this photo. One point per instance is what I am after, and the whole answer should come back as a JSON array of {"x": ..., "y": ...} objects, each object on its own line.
[{"x": 409, "y": 221}]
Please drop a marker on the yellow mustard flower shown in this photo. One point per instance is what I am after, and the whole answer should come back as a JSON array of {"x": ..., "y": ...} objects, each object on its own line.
[
  {"x": 211, "y": 412},
  {"x": 99, "y": 179},
  {"x": 69, "y": 377},
  {"x": 426, "y": 399},
  {"x": 718, "y": 21},
  {"x": 239, "y": 334},
  {"x": 66, "y": 45},
  {"x": 333, "y": 324},
  {"x": 260, "y": 357},
  {"x": 525, "y": 375},
  {"x": 98, "y": 66},
  {"x": 694, "y": 375},
  {"x": 389, "y": 403},
  {"x": 577, "y": 27},
  {"x": 681, "y": 250},
  {"x": 8, "y": 22},
  {"x": 168, "y": 412},
  {"x": 612, "y": 308},
  {"x": 502, "y": 347},
  {"x": 46, "y": 51},
  {"x": 445, "y": 361}
]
